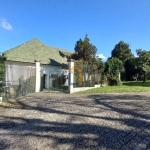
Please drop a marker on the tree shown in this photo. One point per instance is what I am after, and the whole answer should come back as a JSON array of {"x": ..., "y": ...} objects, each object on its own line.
[
  {"x": 132, "y": 71},
  {"x": 113, "y": 67},
  {"x": 112, "y": 70},
  {"x": 2, "y": 73},
  {"x": 85, "y": 51},
  {"x": 121, "y": 51},
  {"x": 143, "y": 62},
  {"x": 100, "y": 66}
]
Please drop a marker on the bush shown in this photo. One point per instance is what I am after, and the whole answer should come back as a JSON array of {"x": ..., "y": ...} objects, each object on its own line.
[
  {"x": 113, "y": 81},
  {"x": 103, "y": 80},
  {"x": 65, "y": 88}
]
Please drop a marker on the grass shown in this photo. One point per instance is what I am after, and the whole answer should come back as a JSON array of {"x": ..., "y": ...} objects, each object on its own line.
[{"x": 125, "y": 87}]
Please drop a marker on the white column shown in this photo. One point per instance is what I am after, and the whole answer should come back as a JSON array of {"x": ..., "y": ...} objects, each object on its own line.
[
  {"x": 71, "y": 75},
  {"x": 38, "y": 76}
]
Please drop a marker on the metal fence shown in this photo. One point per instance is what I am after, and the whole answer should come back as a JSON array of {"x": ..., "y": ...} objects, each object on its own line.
[
  {"x": 85, "y": 75},
  {"x": 2, "y": 76},
  {"x": 59, "y": 80},
  {"x": 19, "y": 80}
]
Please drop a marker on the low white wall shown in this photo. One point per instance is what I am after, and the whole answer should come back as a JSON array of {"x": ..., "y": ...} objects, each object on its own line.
[{"x": 78, "y": 89}]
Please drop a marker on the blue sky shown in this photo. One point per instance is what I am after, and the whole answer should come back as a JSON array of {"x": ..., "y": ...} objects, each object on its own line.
[{"x": 60, "y": 23}]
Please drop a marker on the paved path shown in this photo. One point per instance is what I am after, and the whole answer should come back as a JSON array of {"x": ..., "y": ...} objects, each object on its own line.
[{"x": 47, "y": 121}]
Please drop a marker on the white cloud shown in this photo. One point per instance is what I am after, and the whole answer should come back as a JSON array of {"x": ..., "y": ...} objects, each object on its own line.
[
  {"x": 101, "y": 56},
  {"x": 5, "y": 25}
]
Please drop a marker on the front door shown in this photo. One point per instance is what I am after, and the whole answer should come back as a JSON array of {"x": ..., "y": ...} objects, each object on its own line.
[{"x": 44, "y": 81}]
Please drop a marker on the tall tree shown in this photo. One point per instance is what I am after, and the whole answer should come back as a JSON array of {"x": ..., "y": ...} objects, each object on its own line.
[
  {"x": 100, "y": 65},
  {"x": 144, "y": 62},
  {"x": 132, "y": 71},
  {"x": 85, "y": 50},
  {"x": 121, "y": 51},
  {"x": 113, "y": 67}
]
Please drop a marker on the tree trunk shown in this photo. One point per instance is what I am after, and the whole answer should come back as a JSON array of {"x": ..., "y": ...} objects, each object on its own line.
[{"x": 144, "y": 79}]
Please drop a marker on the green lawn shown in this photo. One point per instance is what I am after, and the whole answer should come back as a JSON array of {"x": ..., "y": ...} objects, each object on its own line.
[{"x": 125, "y": 87}]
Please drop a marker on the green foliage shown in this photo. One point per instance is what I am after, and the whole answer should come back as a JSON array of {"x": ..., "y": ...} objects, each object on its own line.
[
  {"x": 65, "y": 88},
  {"x": 74, "y": 56},
  {"x": 122, "y": 51},
  {"x": 2, "y": 59},
  {"x": 103, "y": 80},
  {"x": 100, "y": 65},
  {"x": 84, "y": 50},
  {"x": 121, "y": 62},
  {"x": 132, "y": 71},
  {"x": 143, "y": 62},
  {"x": 2, "y": 73},
  {"x": 112, "y": 81},
  {"x": 113, "y": 67},
  {"x": 123, "y": 75}
]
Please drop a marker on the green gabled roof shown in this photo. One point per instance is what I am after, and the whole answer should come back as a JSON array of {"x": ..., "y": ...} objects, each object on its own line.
[{"x": 36, "y": 50}]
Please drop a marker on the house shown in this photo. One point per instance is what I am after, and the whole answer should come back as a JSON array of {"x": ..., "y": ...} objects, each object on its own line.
[{"x": 20, "y": 65}]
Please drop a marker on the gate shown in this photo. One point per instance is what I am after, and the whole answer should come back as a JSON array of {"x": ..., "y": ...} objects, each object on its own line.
[
  {"x": 19, "y": 80},
  {"x": 59, "y": 81},
  {"x": 84, "y": 75}
]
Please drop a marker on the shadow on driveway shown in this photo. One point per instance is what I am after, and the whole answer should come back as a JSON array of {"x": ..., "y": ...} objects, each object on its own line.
[{"x": 134, "y": 133}]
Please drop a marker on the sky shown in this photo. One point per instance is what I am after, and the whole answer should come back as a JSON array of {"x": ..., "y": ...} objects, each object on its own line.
[{"x": 61, "y": 23}]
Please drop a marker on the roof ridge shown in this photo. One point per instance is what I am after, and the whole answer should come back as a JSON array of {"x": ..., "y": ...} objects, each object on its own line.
[
  {"x": 7, "y": 51},
  {"x": 60, "y": 49},
  {"x": 67, "y": 50}
]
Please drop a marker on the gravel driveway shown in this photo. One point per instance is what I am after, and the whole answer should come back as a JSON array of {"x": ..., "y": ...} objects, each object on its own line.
[{"x": 46, "y": 121}]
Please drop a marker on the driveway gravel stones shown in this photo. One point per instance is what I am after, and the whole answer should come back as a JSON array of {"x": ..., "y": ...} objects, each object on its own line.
[{"x": 46, "y": 121}]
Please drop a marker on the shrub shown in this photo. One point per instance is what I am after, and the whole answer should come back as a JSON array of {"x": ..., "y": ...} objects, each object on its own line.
[
  {"x": 113, "y": 81},
  {"x": 65, "y": 88},
  {"x": 103, "y": 80}
]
